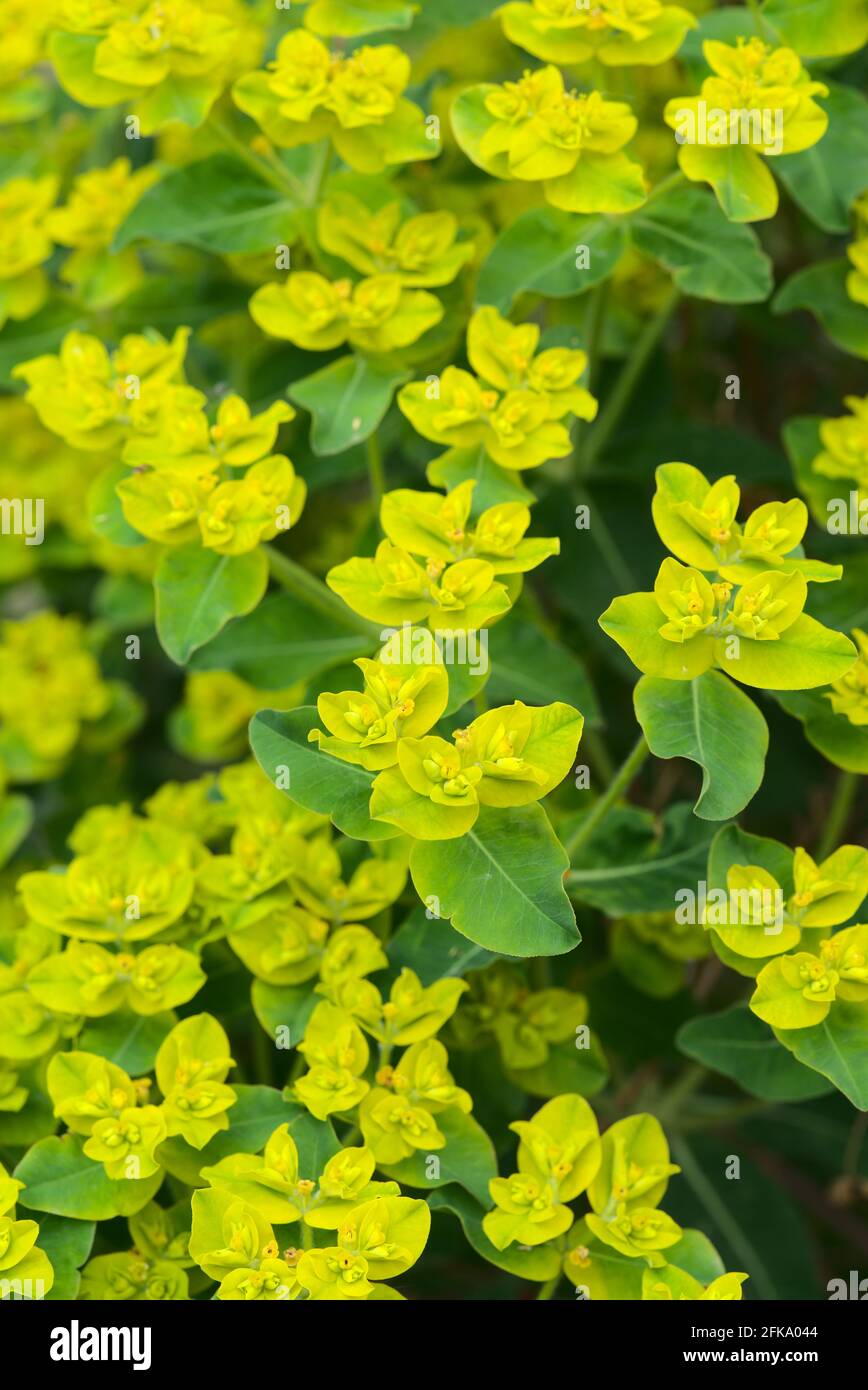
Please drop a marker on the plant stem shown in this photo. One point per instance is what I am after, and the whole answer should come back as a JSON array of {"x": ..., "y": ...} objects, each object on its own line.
[
  {"x": 673, "y": 180},
  {"x": 603, "y": 805},
  {"x": 311, "y": 590},
  {"x": 605, "y": 542},
  {"x": 376, "y": 469},
  {"x": 630, "y": 374},
  {"x": 689, "y": 1081},
  {"x": 839, "y": 813},
  {"x": 762, "y": 30},
  {"x": 548, "y": 1289},
  {"x": 595, "y": 320}
]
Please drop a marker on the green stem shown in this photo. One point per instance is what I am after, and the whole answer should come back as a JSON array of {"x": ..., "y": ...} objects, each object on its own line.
[
  {"x": 311, "y": 590},
  {"x": 839, "y": 813},
  {"x": 761, "y": 28},
  {"x": 689, "y": 1081},
  {"x": 603, "y": 804},
  {"x": 274, "y": 174},
  {"x": 376, "y": 469},
  {"x": 673, "y": 180},
  {"x": 599, "y": 753},
  {"x": 595, "y": 320},
  {"x": 548, "y": 1289},
  {"x": 604, "y": 541},
  {"x": 630, "y": 374}
]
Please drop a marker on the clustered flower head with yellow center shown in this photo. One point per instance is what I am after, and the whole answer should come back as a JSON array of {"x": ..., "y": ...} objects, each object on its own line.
[
  {"x": 438, "y": 565},
  {"x": 760, "y": 916},
  {"x": 185, "y": 485},
  {"x": 535, "y": 130},
  {"x": 376, "y": 316},
  {"x": 625, "y": 1175},
  {"x": 758, "y": 103},
  {"x": 617, "y": 32},
  {"x": 421, "y": 250},
  {"x": 737, "y": 600},
  {"x": 844, "y": 452},
  {"x": 356, "y": 100},
  {"x": 25, "y": 205},
  {"x": 52, "y": 692},
  {"x": 516, "y": 404},
  {"x": 849, "y": 695},
  {"x": 169, "y": 58},
  {"x": 98, "y": 202}
]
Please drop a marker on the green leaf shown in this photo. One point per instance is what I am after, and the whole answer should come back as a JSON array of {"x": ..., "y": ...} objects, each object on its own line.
[
  {"x": 433, "y": 949},
  {"x": 631, "y": 864},
  {"x": 541, "y": 252},
  {"x": 128, "y": 1040},
  {"x": 818, "y": 28},
  {"x": 827, "y": 179},
  {"x": 532, "y": 666},
  {"x": 217, "y": 204},
  {"x": 67, "y": 1243},
  {"x": 59, "y": 1178},
  {"x": 104, "y": 508},
  {"x": 501, "y": 884},
  {"x": 347, "y": 400},
  {"x": 281, "y": 642},
  {"x": 16, "y": 818},
  {"x": 713, "y": 723},
  {"x": 822, "y": 290},
  {"x": 842, "y": 743},
  {"x": 539, "y": 1263},
  {"x": 806, "y": 654},
  {"x": 317, "y": 781},
  {"x": 837, "y": 1048},
  {"x": 43, "y": 332},
  {"x": 493, "y": 483},
  {"x": 467, "y": 1159},
  {"x": 739, "y": 1045},
  {"x": 566, "y": 1069},
  {"x": 687, "y": 232},
  {"x": 198, "y": 591},
  {"x": 283, "y": 1006}
]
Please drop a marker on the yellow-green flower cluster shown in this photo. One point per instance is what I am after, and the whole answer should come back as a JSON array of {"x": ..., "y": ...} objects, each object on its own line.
[
  {"x": 735, "y": 595},
  {"x": 428, "y": 787},
  {"x": 625, "y": 1174},
  {"x": 24, "y": 210},
  {"x": 619, "y": 33},
  {"x": 356, "y": 100},
  {"x": 537, "y": 131},
  {"x": 169, "y": 58},
  {"x": 376, "y": 316},
  {"x": 376, "y": 1234},
  {"x": 759, "y": 103},
  {"x": 421, "y": 250},
  {"x": 516, "y": 403},
  {"x": 185, "y": 485},
  {"x": 53, "y": 696}
]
